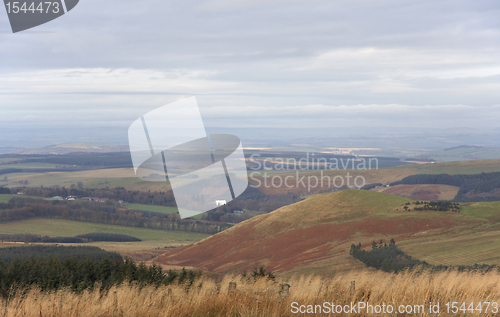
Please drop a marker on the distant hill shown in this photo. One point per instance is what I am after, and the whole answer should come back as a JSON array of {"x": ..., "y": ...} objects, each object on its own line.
[
  {"x": 314, "y": 236},
  {"x": 75, "y": 148},
  {"x": 465, "y": 152},
  {"x": 9, "y": 149}
]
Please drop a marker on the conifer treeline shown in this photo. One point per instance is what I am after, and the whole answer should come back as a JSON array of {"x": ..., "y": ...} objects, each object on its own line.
[
  {"x": 84, "y": 238},
  {"x": 58, "y": 269},
  {"x": 385, "y": 257},
  {"x": 433, "y": 205},
  {"x": 8, "y": 254}
]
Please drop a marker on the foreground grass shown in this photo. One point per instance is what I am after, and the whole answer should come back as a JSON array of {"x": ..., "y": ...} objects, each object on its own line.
[{"x": 208, "y": 298}]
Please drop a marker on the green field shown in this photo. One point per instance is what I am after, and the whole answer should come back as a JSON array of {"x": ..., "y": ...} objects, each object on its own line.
[
  {"x": 158, "y": 209},
  {"x": 8, "y": 159},
  {"x": 474, "y": 243},
  {"x": 98, "y": 178},
  {"x": 125, "y": 177},
  {"x": 6, "y": 198},
  {"x": 484, "y": 210},
  {"x": 466, "y": 249},
  {"x": 29, "y": 165},
  {"x": 316, "y": 233},
  {"x": 465, "y": 153},
  {"x": 462, "y": 167},
  {"x": 68, "y": 228}
]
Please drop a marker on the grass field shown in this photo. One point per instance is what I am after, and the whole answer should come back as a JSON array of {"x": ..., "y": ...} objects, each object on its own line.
[
  {"x": 125, "y": 177},
  {"x": 152, "y": 244},
  {"x": 467, "y": 249},
  {"x": 473, "y": 244},
  {"x": 403, "y": 294},
  {"x": 5, "y": 198},
  {"x": 151, "y": 208},
  {"x": 482, "y": 209},
  {"x": 101, "y": 178},
  {"x": 158, "y": 209},
  {"x": 314, "y": 235},
  {"x": 29, "y": 165},
  {"x": 68, "y": 228},
  {"x": 465, "y": 153},
  {"x": 461, "y": 167},
  {"x": 8, "y": 159},
  {"x": 382, "y": 175}
]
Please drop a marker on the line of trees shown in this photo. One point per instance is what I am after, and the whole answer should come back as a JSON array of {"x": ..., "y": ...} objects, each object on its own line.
[
  {"x": 84, "y": 238},
  {"x": 9, "y": 254},
  {"x": 161, "y": 198},
  {"x": 252, "y": 199},
  {"x": 371, "y": 186},
  {"x": 61, "y": 270},
  {"x": 10, "y": 170},
  {"x": 385, "y": 257},
  {"x": 20, "y": 208},
  {"x": 4, "y": 190},
  {"x": 434, "y": 206}
]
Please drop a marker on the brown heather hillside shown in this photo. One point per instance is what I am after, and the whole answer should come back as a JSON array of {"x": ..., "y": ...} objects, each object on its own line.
[{"x": 314, "y": 235}]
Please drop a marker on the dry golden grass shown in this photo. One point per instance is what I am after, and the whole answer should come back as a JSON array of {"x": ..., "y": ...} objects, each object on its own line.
[{"x": 262, "y": 299}]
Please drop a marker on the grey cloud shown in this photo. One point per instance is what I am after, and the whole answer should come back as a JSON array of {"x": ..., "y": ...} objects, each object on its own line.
[{"x": 109, "y": 61}]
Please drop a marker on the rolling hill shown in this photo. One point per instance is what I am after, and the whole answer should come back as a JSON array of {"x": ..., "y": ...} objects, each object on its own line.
[
  {"x": 75, "y": 148},
  {"x": 422, "y": 191},
  {"x": 464, "y": 152},
  {"x": 314, "y": 235}
]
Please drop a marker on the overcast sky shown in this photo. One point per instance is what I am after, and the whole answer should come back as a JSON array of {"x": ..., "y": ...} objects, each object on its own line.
[{"x": 253, "y": 63}]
